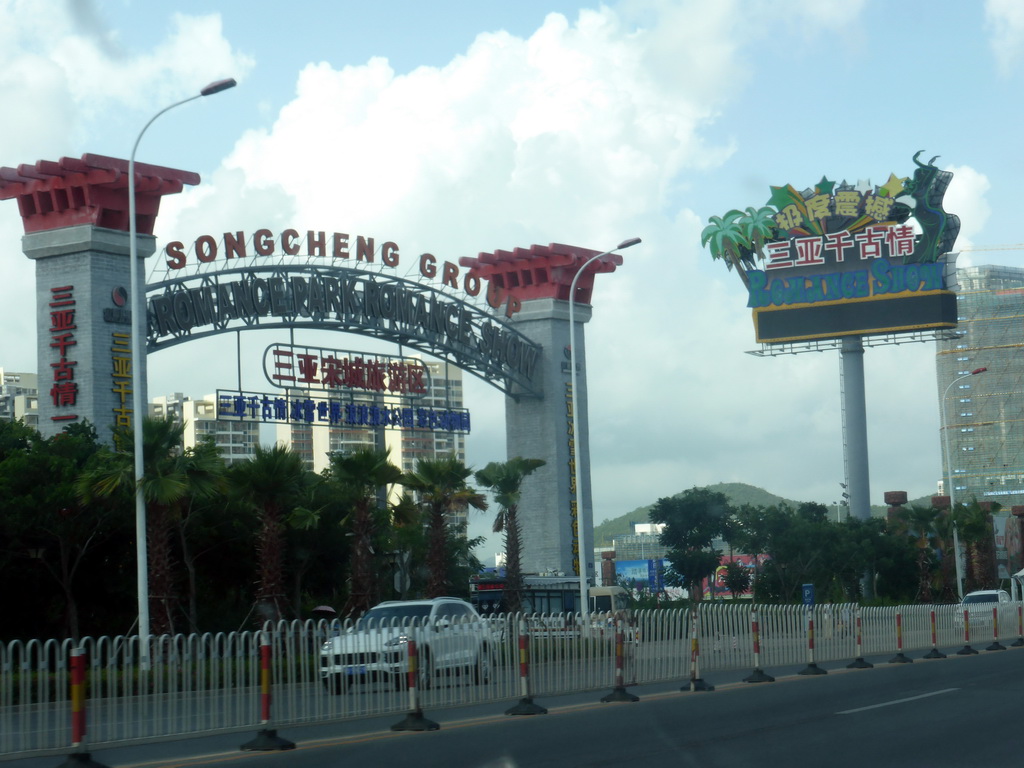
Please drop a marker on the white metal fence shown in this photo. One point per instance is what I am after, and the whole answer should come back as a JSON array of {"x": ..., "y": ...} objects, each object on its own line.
[{"x": 200, "y": 684}]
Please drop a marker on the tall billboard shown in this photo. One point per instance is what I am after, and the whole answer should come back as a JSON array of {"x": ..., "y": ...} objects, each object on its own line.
[{"x": 838, "y": 259}]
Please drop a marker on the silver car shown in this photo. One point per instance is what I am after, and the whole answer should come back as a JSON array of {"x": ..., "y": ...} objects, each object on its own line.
[{"x": 451, "y": 639}]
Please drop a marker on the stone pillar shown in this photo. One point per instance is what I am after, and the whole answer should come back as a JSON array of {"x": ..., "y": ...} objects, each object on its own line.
[
  {"x": 541, "y": 428},
  {"x": 83, "y": 322},
  {"x": 75, "y": 215}
]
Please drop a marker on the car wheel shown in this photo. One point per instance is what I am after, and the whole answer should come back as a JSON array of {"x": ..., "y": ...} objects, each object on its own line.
[
  {"x": 335, "y": 684},
  {"x": 483, "y": 667}
]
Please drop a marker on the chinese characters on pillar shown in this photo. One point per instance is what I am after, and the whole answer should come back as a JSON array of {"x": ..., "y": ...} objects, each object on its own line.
[
  {"x": 64, "y": 392},
  {"x": 573, "y": 504},
  {"x": 121, "y": 374}
]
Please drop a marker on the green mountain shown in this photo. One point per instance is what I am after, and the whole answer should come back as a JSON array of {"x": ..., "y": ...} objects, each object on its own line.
[{"x": 737, "y": 493}]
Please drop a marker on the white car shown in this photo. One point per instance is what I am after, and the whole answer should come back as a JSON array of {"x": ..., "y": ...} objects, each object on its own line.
[
  {"x": 451, "y": 638},
  {"x": 979, "y": 605}
]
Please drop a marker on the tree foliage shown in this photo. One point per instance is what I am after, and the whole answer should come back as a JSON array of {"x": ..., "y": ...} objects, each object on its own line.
[{"x": 693, "y": 520}]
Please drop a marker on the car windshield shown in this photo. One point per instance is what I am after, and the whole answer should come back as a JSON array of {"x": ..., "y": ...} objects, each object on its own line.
[
  {"x": 387, "y": 614},
  {"x": 990, "y": 598}
]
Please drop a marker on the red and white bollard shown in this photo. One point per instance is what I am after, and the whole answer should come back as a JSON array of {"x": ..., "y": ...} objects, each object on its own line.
[
  {"x": 811, "y": 668},
  {"x": 1020, "y": 628},
  {"x": 758, "y": 675},
  {"x": 934, "y": 653},
  {"x": 414, "y": 721},
  {"x": 525, "y": 705},
  {"x": 900, "y": 658},
  {"x": 619, "y": 693},
  {"x": 267, "y": 739},
  {"x": 996, "y": 645}
]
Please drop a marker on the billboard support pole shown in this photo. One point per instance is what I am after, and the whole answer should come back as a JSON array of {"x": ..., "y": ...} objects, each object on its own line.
[{"x": 855, "y": 445}]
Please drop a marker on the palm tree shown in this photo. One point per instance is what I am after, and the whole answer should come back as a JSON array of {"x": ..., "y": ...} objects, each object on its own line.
[
  {"x": 204, "y": 471},
  {"x": 975, "y": 526},
  {"x": 920, "y": 524},
  {"x": 359, "y": 477},
  {"x": 758, "y": 226},
  {"x": 273, "y": 482},
  {"x": 726, "y": 239},
  {"x": 440, "y": 485},
  {"x": 164, "y": 485},
  {"x": 505, "y": 479}
]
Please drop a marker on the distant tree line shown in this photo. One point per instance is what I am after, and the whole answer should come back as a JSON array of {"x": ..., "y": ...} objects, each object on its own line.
[
  {"x": 228, "y": 546},
  {"x": 906, "y": 558}
]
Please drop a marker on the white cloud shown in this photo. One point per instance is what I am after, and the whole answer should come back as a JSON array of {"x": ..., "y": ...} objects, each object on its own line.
[
  {"x": 966, "y": 198},
  {"x": 1005, "y": 21}
]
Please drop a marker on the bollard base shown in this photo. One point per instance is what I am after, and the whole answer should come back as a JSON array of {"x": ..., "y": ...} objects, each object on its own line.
[
  {"x": 80, "y": 760},
  {"x": 901, "y": 658},
  {"x": 415, "y": 721},
  {"x": 698, "y": 684},
  {"x": 619, "y": 694},
  {"x": 996, "y": 646},
  {"x": 859, "y": 663},
  {"x": 526, "y": 707},
  {"x": 1017, "y": 643},
  {"x": 966, "y": 651},
  {"x": 934, "y": 653},
  {"x": 758, "y": 676},
  {"x": 812, "y": 669},
  {"x": 267, "y": 740}
]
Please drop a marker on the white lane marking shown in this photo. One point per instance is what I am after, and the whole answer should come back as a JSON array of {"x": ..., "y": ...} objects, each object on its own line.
[{"x": 897, "y": 701}]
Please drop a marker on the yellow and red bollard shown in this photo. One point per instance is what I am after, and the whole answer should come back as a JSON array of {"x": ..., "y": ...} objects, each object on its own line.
[
  {"x": 967, "y": 650},
  {"x": 758, "y": 675},
  {"x": 79, "y": 758},
  {"x": 696, "y": 683},
  {"x": 900, "y": 657},
  {"x": 525, "y": 705},
  {"x": 996, "y": 645},
  {"x": 1020, "y": 628},
  {"x": 619, "y": 693},
  {"x": 267, "y": 739},
  {"x": 414, "y": 721},
  {"x": 859, "y": 663},
  {"x": 811, "y": 668},
  {"x": 934, "y": 653}
]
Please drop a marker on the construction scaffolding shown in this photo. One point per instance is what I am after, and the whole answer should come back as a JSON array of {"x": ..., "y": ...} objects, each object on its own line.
[{"x": 983, "y": 415}]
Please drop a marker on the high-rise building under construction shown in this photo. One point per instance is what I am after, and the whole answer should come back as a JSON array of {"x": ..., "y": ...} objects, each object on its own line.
[{"x": 982, "y": 415}]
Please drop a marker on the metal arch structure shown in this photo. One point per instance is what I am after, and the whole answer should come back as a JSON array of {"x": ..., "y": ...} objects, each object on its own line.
[{"x": 356, "y": 301}]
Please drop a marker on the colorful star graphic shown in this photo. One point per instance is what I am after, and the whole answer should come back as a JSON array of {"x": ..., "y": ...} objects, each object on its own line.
[{"x": 894, "y": 186}]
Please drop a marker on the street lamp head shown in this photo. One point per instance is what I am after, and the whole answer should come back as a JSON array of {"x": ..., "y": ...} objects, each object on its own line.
[
  {"x": 218, "y": 86},
  {"x": 627, "y": 243},
  {"x": 976, "y": 371}
]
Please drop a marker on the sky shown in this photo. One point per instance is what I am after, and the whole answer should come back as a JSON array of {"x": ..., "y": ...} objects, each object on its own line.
[{"x": 459, "y": 127}]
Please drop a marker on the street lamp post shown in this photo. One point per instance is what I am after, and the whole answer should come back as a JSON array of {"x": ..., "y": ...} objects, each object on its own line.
[
  {"x": 950, "y": 480},
  {"x": 580, "y": 537},
  {"x": 138, "y": 309}
]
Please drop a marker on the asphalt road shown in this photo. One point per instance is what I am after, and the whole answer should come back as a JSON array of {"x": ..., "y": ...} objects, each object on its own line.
[{"x": 960, "y": 711}]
